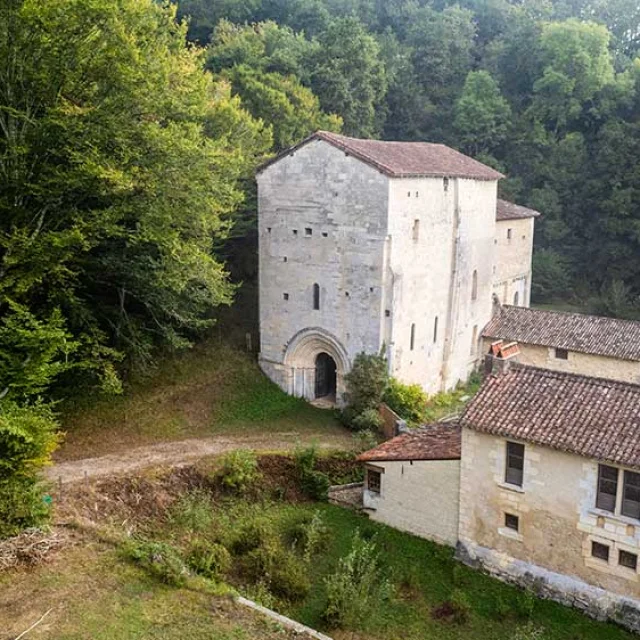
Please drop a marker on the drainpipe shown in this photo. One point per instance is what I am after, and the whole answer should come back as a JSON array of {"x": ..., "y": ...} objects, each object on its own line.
[{"x": 454, "y": 287}]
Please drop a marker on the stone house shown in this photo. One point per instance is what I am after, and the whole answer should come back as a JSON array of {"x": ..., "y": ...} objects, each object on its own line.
[
  {"x": 364, "y": 245},
  {"x": 549, "y": 486},
  {"x": 569, "y": 342}
]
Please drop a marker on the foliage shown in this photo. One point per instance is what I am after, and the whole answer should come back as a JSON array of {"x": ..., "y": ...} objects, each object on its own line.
[
  {"x": 368, "y": 421},
  {"x": 315, "y": 484},
  {"x": 358, "y": 587},
  {"x": 365, "y": 440},
  {"x": 365, "y": 384},
  {"x": 409, "y": 401},
  {"x": 239, "y": 470},
  {"x": 209, "y": 559},
  {"x": 193, "y": 512},
  {"x": 162, "y": 561},
  {"x": 27, "y": 439}
]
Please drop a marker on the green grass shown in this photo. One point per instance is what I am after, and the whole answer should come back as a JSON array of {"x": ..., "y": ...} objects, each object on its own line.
[
  {"x": 213, "y": 389},
  {"x": 425, "y": 575}
]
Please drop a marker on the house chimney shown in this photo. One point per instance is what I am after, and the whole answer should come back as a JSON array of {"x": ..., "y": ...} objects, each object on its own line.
[{"x": 500, "y": 358}]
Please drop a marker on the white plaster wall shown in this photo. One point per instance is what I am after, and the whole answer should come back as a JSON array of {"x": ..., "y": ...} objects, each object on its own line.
[
  {"x": 556, "y": 507},
  {"x": 512, "y": 269},
  {"x": 420, "y": 497},
  {"x": 581, "y": 363},
  {"x": 456, "y": 233},
  {"x": 321, "y": 188}
]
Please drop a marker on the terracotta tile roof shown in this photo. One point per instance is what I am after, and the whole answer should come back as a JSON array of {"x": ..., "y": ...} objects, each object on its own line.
[
  {"x": 510, "y": 211},
  {"x": 596, "y": 335},
  {"x": 404, "y": 159},
  {"x": 591, "y": 417},
  {"x": 438, "y": 441}
]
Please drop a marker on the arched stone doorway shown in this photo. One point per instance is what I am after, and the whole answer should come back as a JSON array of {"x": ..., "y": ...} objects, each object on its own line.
[
  {"x": 325, "y": 383},
  {"x": 315, "y": 364}
]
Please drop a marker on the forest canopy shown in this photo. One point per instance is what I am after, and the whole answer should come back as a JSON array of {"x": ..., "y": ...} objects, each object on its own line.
[{"x": 544, "y": 90}]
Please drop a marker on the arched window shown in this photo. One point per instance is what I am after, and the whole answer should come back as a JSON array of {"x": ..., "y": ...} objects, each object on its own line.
[
  {"x": 316, "y": 296},
  {"x": 516, "y": 298},
  {"x": 413, "y": 336},
  {"x": 474, "y": 285},
  {"x": 435, "y": 330}
]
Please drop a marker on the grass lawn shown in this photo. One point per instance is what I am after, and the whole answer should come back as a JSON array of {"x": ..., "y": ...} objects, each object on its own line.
[{"x": 213, "y": 389}]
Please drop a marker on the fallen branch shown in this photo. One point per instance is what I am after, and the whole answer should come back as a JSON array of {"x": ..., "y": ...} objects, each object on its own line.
[{"x": 35, "y": 624}]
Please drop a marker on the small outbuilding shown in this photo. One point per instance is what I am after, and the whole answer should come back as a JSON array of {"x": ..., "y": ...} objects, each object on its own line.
[{"x": 412, "y": 482}]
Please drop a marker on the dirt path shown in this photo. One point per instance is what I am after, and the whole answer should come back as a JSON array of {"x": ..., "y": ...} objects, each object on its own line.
[{"x": 175, "y": 454}]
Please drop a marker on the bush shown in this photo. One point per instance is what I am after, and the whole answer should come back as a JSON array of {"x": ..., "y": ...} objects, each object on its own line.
[
  {"x": 209, "y": 559},
  {"x": 358, "y": 587},
  {"x": 252, "y": 535},
  {"x": 193, "y": 511},
  {"x": 309, "y": 534},
  {"x": 364, "y": 440},
  {"x": 365, "y": 385},
  {"x": 409, "y": 401},
  {"x": 314, "y": 484},
  {"x": 239, "y": 470},
  {"x": 27, "y": 439},
  {"x": 284, "y": 574},
  {"x": 159, "y": 560},
  {"x": 368, "y": 420}
]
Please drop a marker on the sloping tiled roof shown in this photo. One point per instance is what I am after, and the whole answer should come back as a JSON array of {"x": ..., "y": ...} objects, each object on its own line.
[
  {"x": 573, "y": 331},
  {"x": 439, "y": 441},
  {"x": 404, "y": 159},
  {"x": 591, "y": 417},
  {"x": 511, "y": 211}
]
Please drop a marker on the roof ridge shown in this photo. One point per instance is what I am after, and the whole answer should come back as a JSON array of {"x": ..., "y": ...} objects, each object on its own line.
[
  {"x": 555, "y": 373},
  {"x": 575, "y": 314}
]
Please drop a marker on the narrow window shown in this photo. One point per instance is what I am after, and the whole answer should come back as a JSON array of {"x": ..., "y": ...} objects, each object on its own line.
[
  {"x": 509, "y": 233},
  {"x": 268, "y": 229},
  {"x": 511, "y": 521},
  {"x": 408, "y": 194},
  {"x": 295, "y": 232},
  {"x": 516, "y": 298},
  {"x": 374, "y": 479},
  {"x": 600, "y": 551},
  {"x": 631, "y": 495},
  {"x": 387, "y": 313},
  {"x": 474, "y": 285},
  {"x": 607, "y": 488},
  {"x": 561, "y": 354},
  {"x": 285, "y": 296},
  {"x": 416, "y": 194},
  {"x": 416, "y": 230},
  {"x": 474, "y": 340},
  {"x": 446, "y": 184},
  {"x": 413, "y": 337},
  {"x": 628, "y": 560},
  {"x": 316, "y": 297},
  {"x": 435, "y": 330},
  {"x": 308, "y": 231},
  {"x": 284, "y": 259},
  {"x": 515, "y": 463}
]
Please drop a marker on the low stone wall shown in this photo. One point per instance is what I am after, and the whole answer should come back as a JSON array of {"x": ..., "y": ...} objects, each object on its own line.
[
  {"x": 347, "y": 495},
  {"x": 390, "y": 422},
  {"x": 594, "y": 602}
]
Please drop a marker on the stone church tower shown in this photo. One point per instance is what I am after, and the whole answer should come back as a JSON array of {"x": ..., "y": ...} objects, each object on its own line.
[{"x": 366, "y": 245}]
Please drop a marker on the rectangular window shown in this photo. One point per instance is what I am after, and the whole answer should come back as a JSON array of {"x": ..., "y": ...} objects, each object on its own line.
[
  {"x": 416, "y": 230},
  {"x": 374, "y": 479},
  {"x": 509, "y": 232},
  {"x": 308, "y": 231},
  {"x": 631, "y": 495},
  {"x": 285, "y": 296},
  {"x": 600, "y": 551},
  {"x": 515, "y": 463},
  {"x": 511, "y": 521},
  {"x": 435, "y": 330},
  {"x": 561, "y": 354},
  {"x": 628, "y": 560},
  {"x": 607, "y": 488},
  {"x": 413, "y": 337}
]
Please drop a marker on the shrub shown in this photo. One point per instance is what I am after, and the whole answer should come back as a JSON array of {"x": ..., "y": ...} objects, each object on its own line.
[
  {"x": 309, "y": 534},
  {"x": 159, "y": 560},
  {"x": 314, "y": 484},
  {"x": 368, "y": 420},
  {"x": 358, "y": 587},
  {"x": 365, "y": 384},
  {"x": 409, "y": 401},
  {"x": 239, "y": 470},
  {"x": 193, "y": 511},
  {"x": 285, "y": 575},
  {"x": 27, "y": 439},
  {"x": 252, "y": 535},
  {"x": 364, "y": 440},
  {"x": 209, "y": 559}
]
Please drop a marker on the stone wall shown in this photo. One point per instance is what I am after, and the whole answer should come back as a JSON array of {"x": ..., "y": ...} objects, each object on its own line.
[
  {"x": 558, "y": 520},
  {"x": 420, "y": 497},
  {"x": 441, "y": 231},
  {"x": 514, "y": 251},
  {"x": 581, "y": 363}
]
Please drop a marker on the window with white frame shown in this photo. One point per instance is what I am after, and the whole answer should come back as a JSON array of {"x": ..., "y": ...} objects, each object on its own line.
[{"x": 614, "y": 483}]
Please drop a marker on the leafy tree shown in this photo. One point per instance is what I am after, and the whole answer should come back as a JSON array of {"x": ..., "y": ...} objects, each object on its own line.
[
  {"x": 365, "y": 382},
  {"x": 482, "y": 114}
]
